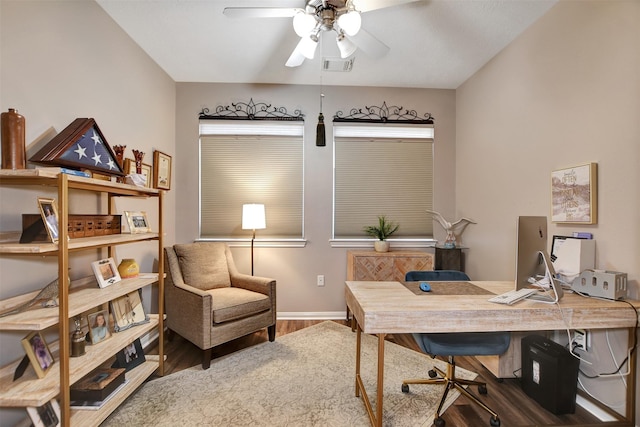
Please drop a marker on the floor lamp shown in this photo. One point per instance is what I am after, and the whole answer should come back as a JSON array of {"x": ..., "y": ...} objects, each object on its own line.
[{"x": 253, "y": 218}]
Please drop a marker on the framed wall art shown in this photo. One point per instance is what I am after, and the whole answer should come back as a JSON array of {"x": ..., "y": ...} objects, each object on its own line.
[
  {"x": 147, "y": 171},
  {"x": 49, "y": 212},
  {"x": 138, "y": 222},
  {"x": 161, "y": 170},
  {"x": 128, "y": 311},
  {"x": 38, "y": 352},
  {"x": 106, "y": 272},
  {"x": 574, "y": 194}
]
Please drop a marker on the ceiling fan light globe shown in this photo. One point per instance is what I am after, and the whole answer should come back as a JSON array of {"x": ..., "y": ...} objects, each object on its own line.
[
  {"x": 346, "y": 46},
  {"x": 350, "y": 22},
  {"x": 303, "y": 24},
  {"x": 308, "y": 47}
]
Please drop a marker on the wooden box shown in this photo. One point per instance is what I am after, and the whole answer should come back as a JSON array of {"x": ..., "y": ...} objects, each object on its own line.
[
  {"x": 79, "y": 226},
  {"x": 98, "y": 385}
]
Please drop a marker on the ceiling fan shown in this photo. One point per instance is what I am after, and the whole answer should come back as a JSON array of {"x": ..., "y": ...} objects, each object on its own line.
[{"x": 318, "y": 16}]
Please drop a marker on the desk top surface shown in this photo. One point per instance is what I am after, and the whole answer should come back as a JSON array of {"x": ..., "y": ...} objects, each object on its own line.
[{"x": 390, "y": 307}]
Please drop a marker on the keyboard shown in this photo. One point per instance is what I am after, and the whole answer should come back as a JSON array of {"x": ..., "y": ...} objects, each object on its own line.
[{"x": 513, "y": 296}]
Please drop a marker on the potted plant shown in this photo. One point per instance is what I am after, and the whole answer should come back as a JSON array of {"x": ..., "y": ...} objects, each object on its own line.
[{"x": 384, "y": 229}]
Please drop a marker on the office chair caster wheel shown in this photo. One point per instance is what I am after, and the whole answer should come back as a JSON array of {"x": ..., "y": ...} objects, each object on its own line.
[
  {"x": 482, "y": 389},
  {"x": 438, "y": 422},
  {"x": 405, "y": 388},
  {"x": 494, "y": 421},
  {"x": 432, "y": 373}
]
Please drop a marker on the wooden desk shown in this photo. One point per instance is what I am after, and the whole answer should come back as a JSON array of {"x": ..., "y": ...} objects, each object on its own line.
[{"x": 383, "y": 308}]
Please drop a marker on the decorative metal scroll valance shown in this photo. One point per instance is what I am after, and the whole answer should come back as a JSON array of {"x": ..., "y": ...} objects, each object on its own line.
[
  {"x": 384, "y": 114},
  {"x": 251, "y": 111}
]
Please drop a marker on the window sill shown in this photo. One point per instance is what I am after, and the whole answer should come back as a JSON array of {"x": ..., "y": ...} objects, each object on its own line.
[
  {"x": 395, "y": 243},
  {"x": 259, "y": 243}
]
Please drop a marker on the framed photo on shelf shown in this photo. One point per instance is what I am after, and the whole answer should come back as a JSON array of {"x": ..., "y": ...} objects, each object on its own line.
[
  {"x": 98, "y": 326},
  {"x": 147, "y": 171},
  {"x": 138, "y": 222},
  {"x": 574, "y": 195},
  {"x": 38, "y": 352},
  {"x": 128, "y": 311},
  {"x": 130, "y": 356},
  {"x": 47, "y": 415},
  {"x": 161, "y": 170},
  {"x": 49, "y": 212},
  {"x": 106, "y": 272}
]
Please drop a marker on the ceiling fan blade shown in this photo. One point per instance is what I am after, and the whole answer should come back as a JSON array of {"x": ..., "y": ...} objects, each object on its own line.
[
  {"x": 369, "y": 44},
  {"x": 369, "y": 5},
  {"x": 297, "y": 58},
  {"x": 260, "y": 12}
]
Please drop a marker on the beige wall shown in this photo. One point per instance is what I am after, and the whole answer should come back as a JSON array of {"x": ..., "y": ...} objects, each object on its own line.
[
  {"x": 59, "y": 61},
  {"x": 296, "y": 268},
  {"x": 566, "y": 92}
]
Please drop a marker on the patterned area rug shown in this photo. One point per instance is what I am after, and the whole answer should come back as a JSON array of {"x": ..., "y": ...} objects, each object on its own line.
[{"x": 306, "y": 378}]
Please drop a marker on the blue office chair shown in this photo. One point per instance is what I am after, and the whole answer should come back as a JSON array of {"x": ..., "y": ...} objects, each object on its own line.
[{"x": 455, "y": 344}]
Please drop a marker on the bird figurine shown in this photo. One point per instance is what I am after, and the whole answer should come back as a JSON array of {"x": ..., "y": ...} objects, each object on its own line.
[
  {"x": 451, "y": 228},
  {"x": 48, "y": 297}
]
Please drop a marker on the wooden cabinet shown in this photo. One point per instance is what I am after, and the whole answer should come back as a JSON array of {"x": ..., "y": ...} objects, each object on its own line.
[
  {"x": 81, "y": 296},
  {"x": 385, "y": 266},
  {"x": 449, "y": 259}
]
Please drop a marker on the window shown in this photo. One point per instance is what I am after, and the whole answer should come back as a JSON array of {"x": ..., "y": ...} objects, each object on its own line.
[
  {"x": 383, "y": 170},
  {"x": 251, "y": 162}
]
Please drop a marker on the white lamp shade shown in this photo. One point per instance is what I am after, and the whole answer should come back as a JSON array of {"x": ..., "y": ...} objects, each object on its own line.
[
  {"x": 346, "y": 46},
  {"x": 350, "y": 22},
  {"x": 303, "y": 24},
  {"x": 308, "y": 47},
  {"x": 253, "y": 217}
]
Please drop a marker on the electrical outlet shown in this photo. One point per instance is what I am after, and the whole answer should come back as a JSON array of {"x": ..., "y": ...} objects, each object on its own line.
[
  {"x": 320, "y": 279},
  {"x": 581, "y": 340}
]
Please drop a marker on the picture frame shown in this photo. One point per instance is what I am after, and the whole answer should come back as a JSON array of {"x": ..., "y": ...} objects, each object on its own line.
[
  {"x": 130, "y": 356},
  {"x": 49, "y": 211},
  {"x": 161, "y": 170},
  {"x": 98, "y": 323},
  {"x": 128, "y": 311},
  {"x": 147, "y": 171},
  {"x": 47, "y": 415},
  {"x": 138, "y": 221},
  {"x": 38, "y": 352},
  {"x": 574, "y": 194},
  {"x": 106, "y": 272}
]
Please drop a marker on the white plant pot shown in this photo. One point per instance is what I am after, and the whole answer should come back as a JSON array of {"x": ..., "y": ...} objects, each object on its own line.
[{"x": 381, "y": 246}]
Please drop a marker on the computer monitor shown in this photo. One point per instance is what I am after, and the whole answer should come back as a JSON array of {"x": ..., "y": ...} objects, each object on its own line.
[
  {"x": 532, "y": 259},
  {"x": 531, "y": 240}
]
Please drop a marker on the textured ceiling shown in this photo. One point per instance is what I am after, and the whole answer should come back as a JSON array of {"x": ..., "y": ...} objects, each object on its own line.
[{"x": 433, "y": 43}]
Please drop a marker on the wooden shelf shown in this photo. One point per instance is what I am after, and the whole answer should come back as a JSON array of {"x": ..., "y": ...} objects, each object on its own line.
[
  {"x": 29, "y": 390},
  {"x": 80, "y": 300},
  {"x": 45, "y": 248}
]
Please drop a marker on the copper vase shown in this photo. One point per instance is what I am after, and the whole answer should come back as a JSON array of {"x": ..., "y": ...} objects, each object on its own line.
[{"x": 13, "y": 136}]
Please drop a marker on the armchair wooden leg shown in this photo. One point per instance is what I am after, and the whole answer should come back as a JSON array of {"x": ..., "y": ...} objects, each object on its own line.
[
  {"x": 206, "y": 358},
  {"x": 271, "y": 330}
]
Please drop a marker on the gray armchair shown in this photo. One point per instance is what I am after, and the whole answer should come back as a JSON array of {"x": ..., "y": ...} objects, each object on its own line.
[{"x": 207, "y": 300}]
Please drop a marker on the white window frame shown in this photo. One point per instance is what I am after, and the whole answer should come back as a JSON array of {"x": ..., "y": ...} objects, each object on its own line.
[
  {"x": 364, "y": 133},
  {"x": 262, "y": 129}
]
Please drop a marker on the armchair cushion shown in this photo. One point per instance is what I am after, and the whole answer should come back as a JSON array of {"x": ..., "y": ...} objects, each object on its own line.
[
  {"x": 203, "y": 266},
  {"x": 236, "y": 303}
]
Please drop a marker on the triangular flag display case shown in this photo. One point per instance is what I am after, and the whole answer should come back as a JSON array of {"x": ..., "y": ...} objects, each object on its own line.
[{"x": 80, "y": 145}]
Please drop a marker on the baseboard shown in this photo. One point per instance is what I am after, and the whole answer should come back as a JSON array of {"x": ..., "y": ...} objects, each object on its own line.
[
  {"x": 320, "y": 315},
  {"x": 593, "y": 409}
]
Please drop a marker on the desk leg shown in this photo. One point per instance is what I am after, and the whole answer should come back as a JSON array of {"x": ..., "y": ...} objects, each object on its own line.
[
  {"x": 631, "y": 383},
  {"x": 380, "y": 379},
  {"x": 358, "y": 347}
]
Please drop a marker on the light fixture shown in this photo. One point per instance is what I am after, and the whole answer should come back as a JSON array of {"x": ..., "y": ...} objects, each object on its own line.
[
  {"x": 253, "y": 218},
  {"x": 308, "y": 46},
  {"x": 346, "y": 46},
  {"x": 350, "y": 22},
  {"x": 303, "y": 23}
]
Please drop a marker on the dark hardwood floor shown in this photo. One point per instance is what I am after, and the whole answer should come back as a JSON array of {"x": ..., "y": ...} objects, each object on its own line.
[{"x": 505, "y": 397}]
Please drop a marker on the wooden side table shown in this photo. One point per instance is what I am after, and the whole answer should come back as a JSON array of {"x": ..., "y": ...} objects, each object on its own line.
[{"x": 449, "y": 259}]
